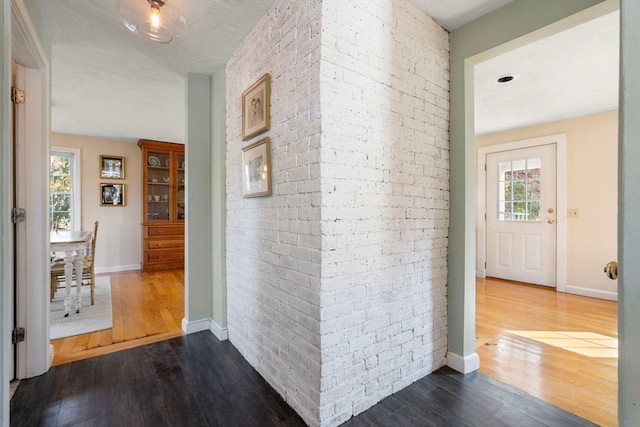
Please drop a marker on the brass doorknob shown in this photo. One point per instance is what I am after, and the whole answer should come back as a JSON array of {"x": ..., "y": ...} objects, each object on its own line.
[
  {"x": 551, "y": 221},
  {"x": 611, "y": 269}
]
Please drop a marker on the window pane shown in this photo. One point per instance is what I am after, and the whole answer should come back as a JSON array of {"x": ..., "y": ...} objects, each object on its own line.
[
  {"x": 533, "y": 189},
  {"x": 534, "y": 164},
  {"x": 60, "y": 189},
  {"x": 61, "y": 183},
  {"x": 519, "y": 165},
  {"x": 505, "y": 168},
  {"x": 519, "y": 192},
  {"x": 504, "y": 211},
  {"x": 533, "y": 211},
  {"x": 519, "y": 211}
]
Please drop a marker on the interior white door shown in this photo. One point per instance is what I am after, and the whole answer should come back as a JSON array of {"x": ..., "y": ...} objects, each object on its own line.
[{"x": 521, "y": 215}]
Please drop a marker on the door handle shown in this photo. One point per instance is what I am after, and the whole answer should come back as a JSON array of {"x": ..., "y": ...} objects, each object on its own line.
[
  {"x": 551, "y": 221},
  {"x": 611, "y": 269}
]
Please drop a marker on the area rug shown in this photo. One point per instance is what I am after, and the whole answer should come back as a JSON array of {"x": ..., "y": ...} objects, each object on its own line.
[{"x": 91, "y": 317}]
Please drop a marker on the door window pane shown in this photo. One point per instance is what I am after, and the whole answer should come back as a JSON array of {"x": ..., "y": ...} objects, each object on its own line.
[{"x": 519, "y": 190}]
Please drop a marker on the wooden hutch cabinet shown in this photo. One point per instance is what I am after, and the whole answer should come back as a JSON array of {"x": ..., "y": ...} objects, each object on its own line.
[{"x": 163, "y": 192}]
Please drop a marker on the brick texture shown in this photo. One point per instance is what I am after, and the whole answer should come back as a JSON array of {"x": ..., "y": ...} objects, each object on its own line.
[
  {"x": 337, "y": 282},
  {"x": 385, "y": 201},
  {"x": 274, "y": 243}
]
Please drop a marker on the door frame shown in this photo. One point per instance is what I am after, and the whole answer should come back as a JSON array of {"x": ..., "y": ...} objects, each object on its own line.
[
  {"x": 560, "y": 141},
  {"x": 35, "y": 354}
]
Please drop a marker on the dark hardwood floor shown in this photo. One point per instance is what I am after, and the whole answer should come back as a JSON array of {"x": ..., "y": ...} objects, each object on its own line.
[{"x": 196, "y": 380}]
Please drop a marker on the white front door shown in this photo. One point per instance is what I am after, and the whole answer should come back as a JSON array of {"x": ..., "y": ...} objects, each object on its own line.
[{"x": 521, "y": 215}]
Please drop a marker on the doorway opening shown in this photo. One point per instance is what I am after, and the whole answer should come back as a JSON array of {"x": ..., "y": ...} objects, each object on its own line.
[{"x": 586, "y": 178}]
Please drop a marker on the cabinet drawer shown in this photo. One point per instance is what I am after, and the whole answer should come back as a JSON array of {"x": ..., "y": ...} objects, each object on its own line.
[
  {"x": 153, "y": 244},
  {"x": 152, "y": 231},
  {"x": 163, "y": 257}
]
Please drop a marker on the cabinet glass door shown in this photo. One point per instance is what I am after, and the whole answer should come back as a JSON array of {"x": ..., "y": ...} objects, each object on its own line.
[
  {"x": 180, "y": 187},
  {"x": 158, "y": 186}
]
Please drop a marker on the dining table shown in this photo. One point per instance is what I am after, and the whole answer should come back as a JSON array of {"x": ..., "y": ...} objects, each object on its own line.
[{"x": 74, "y": 245}]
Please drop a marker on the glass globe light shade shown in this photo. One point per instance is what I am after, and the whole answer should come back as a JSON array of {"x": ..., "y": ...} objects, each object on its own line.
[{"x": 168, "y": 26}]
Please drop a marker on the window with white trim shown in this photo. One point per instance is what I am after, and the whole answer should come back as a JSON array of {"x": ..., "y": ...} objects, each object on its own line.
[{"x": 64, "y": 188}]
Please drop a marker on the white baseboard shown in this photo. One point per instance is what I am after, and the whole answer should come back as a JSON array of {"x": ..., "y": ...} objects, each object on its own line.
[
  {"x": 195, "y": 326},
  {"x": 481, "y": 273},
  {"x": 116, "y": 268},
  {"x": 593, "y": 293},
  {"x": 221, "y": 333},
  {"x": 205, "y": 325},
  {"x": 464, "y": 365}
]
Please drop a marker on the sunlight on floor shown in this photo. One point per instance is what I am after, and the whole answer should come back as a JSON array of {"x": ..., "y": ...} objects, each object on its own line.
[{"x": 587, "y": 344}]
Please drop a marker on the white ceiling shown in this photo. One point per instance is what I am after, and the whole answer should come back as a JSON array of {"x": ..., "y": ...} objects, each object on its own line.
[
  {"x": 108, "y": 83},
  {"x": 571, "y": 74},
  {"x": 452, "y": 14}
]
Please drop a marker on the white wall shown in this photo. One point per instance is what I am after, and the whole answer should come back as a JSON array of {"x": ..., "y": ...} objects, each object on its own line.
[
  {"x": 337, "y": 283},
  {"x": 119, "y": 245},
  {"x": 273, "y": 243},
  {"x": 385, "y": 201},
  {"x": 592, "y": 189}
]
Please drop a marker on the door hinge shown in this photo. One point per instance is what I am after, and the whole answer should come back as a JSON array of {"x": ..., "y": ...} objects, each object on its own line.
[
  {"x": 485, "y": 265},
  {"x": 18, "y": 215},
  {"x": 18, "y": 335},
  {"x": 17, "y": 95}
]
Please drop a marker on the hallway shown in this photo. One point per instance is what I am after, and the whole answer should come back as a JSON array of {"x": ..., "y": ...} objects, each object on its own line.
[
  {"x": 583, "y": 385},
  {"x": 196, "y": 380}
]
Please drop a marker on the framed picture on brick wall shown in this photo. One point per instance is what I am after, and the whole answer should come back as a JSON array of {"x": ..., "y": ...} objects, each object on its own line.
[
  {"x": 255, "y": 108},
  {"x": 256, "y": 169}
]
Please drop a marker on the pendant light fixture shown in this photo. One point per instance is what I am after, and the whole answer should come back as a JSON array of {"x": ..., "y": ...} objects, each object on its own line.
[{"x": 154, "y": 20}]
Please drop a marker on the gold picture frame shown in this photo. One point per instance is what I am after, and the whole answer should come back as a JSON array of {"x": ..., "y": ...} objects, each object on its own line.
[
  {"x": 111, "y": 167},
  {"x": 255, "y": 108},
  {"x": 112, "y": 195},
  {"x": 256, "y": 169}
]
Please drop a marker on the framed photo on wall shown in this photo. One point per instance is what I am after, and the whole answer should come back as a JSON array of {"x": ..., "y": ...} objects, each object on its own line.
[
  {"x": 256, "y": 169},
  {"x": 112, "y": 195},
  {"x": 255, "y": 108},
  {"x": 112, "y": 167}
]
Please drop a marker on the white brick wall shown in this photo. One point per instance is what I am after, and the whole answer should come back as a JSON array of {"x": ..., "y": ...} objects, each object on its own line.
[
  {"x": 385, "y": 201},
  {"x": 337, "y": 282},
  {"x": 273, "y": 243}
]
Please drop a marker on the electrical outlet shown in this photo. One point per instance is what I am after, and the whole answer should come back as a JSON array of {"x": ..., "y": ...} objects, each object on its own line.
[{"x": 572, "y": 213}]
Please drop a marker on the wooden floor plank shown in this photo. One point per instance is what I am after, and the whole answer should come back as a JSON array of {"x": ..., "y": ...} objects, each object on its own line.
[
  {"x": 583, "y": 385},
  {"x": 141, "y": 315},
  {"x": 200, "y": 381}
]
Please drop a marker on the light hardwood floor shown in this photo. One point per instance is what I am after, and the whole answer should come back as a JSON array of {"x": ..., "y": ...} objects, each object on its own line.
[
  {"x": 554, "y": 370},
  {"x": 147, "y": 307}
]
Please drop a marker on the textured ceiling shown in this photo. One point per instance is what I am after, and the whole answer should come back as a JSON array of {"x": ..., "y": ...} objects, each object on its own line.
[
  {"x": 106, "y": 82},
  {"x": 452, "y": 14},
  {"x": 571, "y": 74}
]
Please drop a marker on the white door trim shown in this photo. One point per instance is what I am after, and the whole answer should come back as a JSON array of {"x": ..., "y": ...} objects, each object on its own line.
[
  {"x": 560, "y": 140},
  {"x": 35, "y": 353}
]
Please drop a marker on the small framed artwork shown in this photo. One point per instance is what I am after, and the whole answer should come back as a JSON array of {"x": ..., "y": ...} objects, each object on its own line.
[
  {"x": 112, "y": 167},
  {"x": 112, "y": 195},
  {"x": 255, "y": 108},
  {"x": 256, "y": 169}
]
